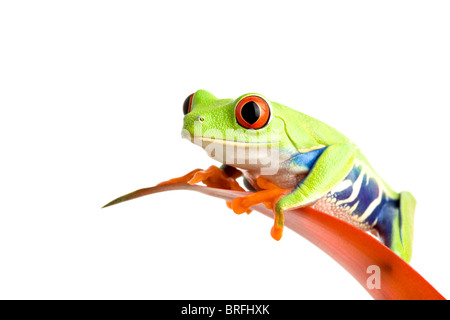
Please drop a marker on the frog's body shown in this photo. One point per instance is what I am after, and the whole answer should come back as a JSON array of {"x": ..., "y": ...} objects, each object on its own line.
[{"x": 320, "y": 166}]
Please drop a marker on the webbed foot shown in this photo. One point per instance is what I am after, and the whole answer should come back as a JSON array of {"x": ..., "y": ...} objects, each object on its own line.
[
  {"x": 269, "y": 196},
  {"x": 214, "y": 177}
]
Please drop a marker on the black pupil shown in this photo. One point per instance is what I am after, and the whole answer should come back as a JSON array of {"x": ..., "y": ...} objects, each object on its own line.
[
  {"x": 186, "y": 105},
  {"x": 250, "y": 112}
]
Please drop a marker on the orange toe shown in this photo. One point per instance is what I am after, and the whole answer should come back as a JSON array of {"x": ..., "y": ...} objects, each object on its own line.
[
  {"x": 276, "y": 233},
  {"x": 203, "y": 175},
  {"x": 184, "y": 179},
  {"x": 215, "y": 178},
  {"x": 242, "y": 204},
  {"x": 269, "y": 196}
]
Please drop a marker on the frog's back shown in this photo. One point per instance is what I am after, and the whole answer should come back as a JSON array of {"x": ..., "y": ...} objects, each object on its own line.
[
  {"x": 307, "y": 132},
  {"x": 362, "y": 198}
]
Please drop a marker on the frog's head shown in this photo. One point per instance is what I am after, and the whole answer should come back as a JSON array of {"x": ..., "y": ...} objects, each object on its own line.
[{"x": 239, "y": 132}]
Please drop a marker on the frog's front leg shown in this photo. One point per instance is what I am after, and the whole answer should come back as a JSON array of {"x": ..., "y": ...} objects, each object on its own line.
[
  {"x": 214, "y": 177},
  {"x": 329, "y": 169},
  {"x": 268, "y": 195}
]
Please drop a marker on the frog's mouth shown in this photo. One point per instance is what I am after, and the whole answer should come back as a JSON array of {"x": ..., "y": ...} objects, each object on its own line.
[
  {"x": 246, "y": 155},
  {"x": 200, "y": 140}
]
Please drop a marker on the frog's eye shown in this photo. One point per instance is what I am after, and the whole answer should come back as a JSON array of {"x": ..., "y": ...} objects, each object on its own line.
[
  {"x": 187, "y": 104},
  {"x": 252, "y": 112}
]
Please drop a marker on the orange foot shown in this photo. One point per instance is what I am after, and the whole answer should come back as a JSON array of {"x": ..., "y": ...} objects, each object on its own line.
[
  {"x": 184, "y": 179},
  {"x": 226, "y": 179},
  {"x": 212, "y": 177},
  {"x": 269, "y": 196}
]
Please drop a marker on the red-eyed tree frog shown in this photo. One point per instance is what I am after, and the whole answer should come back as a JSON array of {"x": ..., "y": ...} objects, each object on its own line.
[{"x": 292, "y": 160}]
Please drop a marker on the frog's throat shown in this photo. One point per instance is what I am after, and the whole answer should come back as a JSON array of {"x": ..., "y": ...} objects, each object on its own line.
[{"x": 232, "y": 142}]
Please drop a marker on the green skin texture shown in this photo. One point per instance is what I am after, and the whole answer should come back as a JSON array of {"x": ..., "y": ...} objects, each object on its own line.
[{"x": 301, "y": 133}]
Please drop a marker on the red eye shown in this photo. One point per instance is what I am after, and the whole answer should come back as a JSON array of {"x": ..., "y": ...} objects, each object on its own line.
[
  {"x": 252, "y": 112},
  {"x": 187, "y": 104}
]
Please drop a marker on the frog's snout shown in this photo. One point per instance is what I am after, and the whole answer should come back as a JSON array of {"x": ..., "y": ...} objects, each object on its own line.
[
  {"x": 191, "y": 120},
  {"x": 192, "y": 123}
]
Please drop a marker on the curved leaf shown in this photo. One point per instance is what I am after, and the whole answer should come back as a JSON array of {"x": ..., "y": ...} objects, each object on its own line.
[{"x": 352, "y": 248}]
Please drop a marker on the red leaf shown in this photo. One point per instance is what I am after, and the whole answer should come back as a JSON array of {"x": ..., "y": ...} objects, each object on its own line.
[{"x": 352, "y": 248}]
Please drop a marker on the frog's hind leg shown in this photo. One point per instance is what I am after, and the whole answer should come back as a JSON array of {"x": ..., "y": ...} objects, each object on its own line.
[{"x": 396, "y": 225}]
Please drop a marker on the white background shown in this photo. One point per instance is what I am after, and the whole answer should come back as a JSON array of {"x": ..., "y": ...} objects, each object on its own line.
[{"x": 91, "y": 95}]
